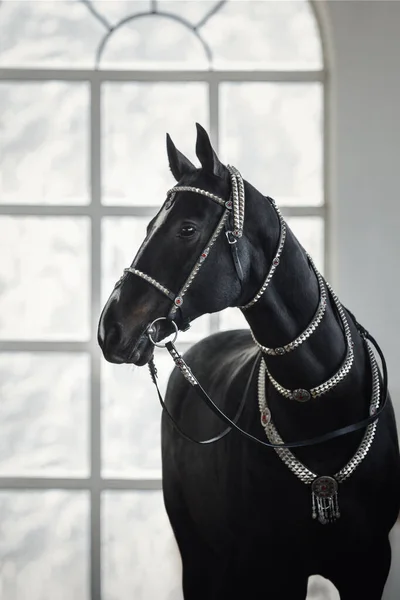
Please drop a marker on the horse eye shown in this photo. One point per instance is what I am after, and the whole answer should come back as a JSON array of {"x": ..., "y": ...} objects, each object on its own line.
[{"x": 187, "y": 231}]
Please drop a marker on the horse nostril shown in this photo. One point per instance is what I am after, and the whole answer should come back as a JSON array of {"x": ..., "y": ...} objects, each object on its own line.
[{"x": 112, "y": 338}]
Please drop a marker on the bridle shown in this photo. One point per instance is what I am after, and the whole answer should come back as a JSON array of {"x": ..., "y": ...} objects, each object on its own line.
[
  {"x": 232, "y": 220},
  {"x": 324, "y": 488}
]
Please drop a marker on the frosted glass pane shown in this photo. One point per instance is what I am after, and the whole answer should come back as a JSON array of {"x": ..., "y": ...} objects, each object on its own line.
[
  {"x": 48, "y": 34},
  {"x": 132, "y": 417},
  {"x": 44, "y": 545},
  {"x": 310, "y": 233},
  {"x": 121, "y": 239},
  {"x": 232, "y": 318},
  {"x": 273, "y": 134},
  {"x": 44, "y": 414},
  {"x": 153, "y": 42},
  {"x": 116, "y": 10},
  {"x": 136, "y": 119},
  {"x": 264, "y": 34},
  {"x": 44, "y": 280},
  {"x": 140, "y": 557},
  {"x": 44, "y": 143},
  {"x": 192, "y": 11}
]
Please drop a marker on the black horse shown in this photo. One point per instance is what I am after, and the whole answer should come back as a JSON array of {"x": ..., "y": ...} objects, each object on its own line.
[{"x": 242, "y": 516}]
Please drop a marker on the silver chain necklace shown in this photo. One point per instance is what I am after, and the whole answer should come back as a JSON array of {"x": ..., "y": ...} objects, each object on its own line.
[
  {"x": 275, "y": 262},
  {"x": 281, "y": 350},
  {"x": 324, "y": 489},
  {"x": 302, "y": 395}
]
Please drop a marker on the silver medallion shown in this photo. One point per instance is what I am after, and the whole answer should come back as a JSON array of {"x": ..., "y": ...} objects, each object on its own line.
[
  {"x": 301, "y": 395},
  {"x": 325, "y": 505}
]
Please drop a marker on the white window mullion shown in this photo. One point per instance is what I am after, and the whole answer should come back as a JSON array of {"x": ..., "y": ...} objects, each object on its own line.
[{"x": 167, "y": 75}]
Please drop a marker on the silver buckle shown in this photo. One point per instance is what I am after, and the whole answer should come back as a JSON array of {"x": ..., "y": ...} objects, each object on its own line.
[{"x": 230, "y": 237}]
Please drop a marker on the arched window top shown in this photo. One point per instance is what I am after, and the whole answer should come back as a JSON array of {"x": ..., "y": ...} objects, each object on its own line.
[{"x": 158, "y": 34}]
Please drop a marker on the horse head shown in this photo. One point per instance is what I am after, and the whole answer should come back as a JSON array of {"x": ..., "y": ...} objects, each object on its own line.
[{"x": 190, "y": 262}]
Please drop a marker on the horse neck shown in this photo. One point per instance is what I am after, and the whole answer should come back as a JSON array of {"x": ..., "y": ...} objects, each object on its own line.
[{"x": 282, "y": 313}]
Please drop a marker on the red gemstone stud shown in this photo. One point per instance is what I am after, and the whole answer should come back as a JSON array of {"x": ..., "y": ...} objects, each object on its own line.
[
  {"x": 275, "y": 262},
  {"x": 265, "y": 417},
  {"x": 178, "y": 301},
  {"x": 229, "y": 204},
  {"x": 301, "y": 395}
]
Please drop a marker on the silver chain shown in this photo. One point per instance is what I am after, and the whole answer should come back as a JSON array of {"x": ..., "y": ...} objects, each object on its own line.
[
  {"x": 294, "y": 464},
  {"x": 280, "y": 350},
  {"x": 238, "y": 200},
  {"x": 187, "y": 188},
  {"x": 275, "y": 261},
  {"x": 149, "y": 279},
  {"x": 179, "y": 299},
  {"x": 326, "y": 386}
]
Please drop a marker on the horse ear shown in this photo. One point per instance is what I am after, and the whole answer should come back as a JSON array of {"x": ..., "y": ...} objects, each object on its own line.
[
  {"x": 205, "y": 153},
  {"x": 178, "y": 163}
]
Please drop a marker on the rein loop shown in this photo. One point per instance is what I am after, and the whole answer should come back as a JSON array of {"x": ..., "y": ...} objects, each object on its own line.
[{"x": 188, "y": 374}]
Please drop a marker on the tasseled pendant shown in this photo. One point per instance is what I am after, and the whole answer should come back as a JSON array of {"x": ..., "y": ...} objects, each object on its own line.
[{"x": 325, "y": 503}]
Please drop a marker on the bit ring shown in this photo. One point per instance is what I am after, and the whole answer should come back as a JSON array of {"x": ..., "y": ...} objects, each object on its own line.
[{"x": 150, "y": 331}]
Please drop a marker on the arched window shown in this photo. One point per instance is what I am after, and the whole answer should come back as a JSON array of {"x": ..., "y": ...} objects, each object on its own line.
[{"x": 88, "y": 89}]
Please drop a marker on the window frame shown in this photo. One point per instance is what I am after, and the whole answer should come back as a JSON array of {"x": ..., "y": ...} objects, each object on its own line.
[{"x": 95, "y": 484}]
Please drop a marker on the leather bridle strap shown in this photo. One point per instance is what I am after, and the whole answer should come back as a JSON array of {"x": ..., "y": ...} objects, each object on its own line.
[
  {"x": 232, "y": 220},
  {"x": 153, "y": 373},
  {"x": 187, "y": 373}
]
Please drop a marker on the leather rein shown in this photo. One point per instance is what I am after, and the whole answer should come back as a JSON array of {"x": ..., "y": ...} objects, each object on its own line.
[
  {"x": 232, "y": 222},
  {"x": 232, "y": 424}
]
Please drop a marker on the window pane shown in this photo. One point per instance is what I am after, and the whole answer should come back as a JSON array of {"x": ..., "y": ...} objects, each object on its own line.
[
  {"x": 153, "y": 42},
  {"x": 116, "y": 10},
  {"x": 44, "y": 414},
  {"x": 45, "y": 279},
  {"x": 232, "y": 318},
  {"x": 131, "y": 418},
  {"x": 48, "y": 34},
  {"x": 191, "y": 10},
  {"x": 264, "y": 34},
  {"x": 44, "y": 545},
  {"x": 122, "y": 237},
  {"x": 44, "y": 143},
  {"x": 136, "y": 119},
  {"x": 273, "y": 134},
  {"x": 141, "y": 559},
  {"x": 310, "y": 233}
]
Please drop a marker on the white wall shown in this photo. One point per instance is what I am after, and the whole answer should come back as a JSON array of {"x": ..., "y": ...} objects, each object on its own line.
[
  {"x": 363, "y": 44},
  {"x": 365, "y": 167}
]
